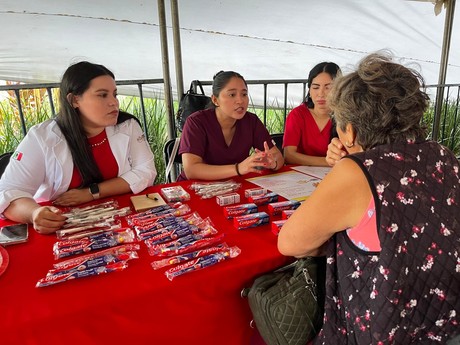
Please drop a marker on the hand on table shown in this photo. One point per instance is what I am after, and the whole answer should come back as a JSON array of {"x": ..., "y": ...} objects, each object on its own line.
[
  {"x": 258, "y": 161},
  {"x": 74, "y": 197},
  {"x": 47, "y": 219}
]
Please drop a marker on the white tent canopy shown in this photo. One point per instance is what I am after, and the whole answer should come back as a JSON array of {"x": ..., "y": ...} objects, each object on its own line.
[{"x": 261, "y": 39}]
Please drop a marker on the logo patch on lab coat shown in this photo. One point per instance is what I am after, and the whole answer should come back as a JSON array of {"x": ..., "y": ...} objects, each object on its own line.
[{"x": 17, "y": 155}]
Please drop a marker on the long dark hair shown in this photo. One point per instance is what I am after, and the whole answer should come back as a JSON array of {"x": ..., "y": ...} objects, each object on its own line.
[
  {"x": 75, "y": 81},
  {"x": 328, "y": 67}
]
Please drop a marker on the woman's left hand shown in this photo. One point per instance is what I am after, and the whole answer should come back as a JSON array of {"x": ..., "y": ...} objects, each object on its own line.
[
  {"x": 266, "y": 158},
  {"x": 74, "y": 197},
  {"x": 258, "y": 161}
]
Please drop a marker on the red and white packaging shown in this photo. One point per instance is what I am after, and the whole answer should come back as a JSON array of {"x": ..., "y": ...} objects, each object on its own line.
[
  {"x": 228, "y": 199},
  {"x": 251, "y": 220},
  {"x": 254, "y": 191},
  {"x": 276, "y": 225},
  {"x": 285, "y": 214},
  {"x": 239, "y": 210},
  {"x": 276, "y": 208},
  {"x": 263, "y": 199}
]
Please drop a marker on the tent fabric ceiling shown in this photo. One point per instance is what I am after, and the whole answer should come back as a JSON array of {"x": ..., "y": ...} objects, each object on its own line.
[{"x": 261, "y": 39}]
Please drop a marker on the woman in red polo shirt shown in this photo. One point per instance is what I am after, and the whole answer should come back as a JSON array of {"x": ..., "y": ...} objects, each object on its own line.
[{"x": 309, "y": 127}]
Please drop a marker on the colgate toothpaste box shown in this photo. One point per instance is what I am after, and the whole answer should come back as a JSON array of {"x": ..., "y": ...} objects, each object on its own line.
[
  {"x": 239, "y": 210},
  {"x": 285, "y": 214},
  {"x": 264, "y": 198},
  {"x": 276, "y": 208},
  {"x": 251, "y": 220},
  {"x": 277, "y": 224}
]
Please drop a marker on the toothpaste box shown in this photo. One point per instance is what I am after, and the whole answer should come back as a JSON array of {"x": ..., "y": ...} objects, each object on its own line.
[
  {"x": 251, "y": 220},
  {"x": 277, "y": 224},
  {"x": 228, "y": 199},
  {"x": 254, "y": 191},
  {"x": 239, "y": 210},
  {"x": 285, "y": 214},
  {"x": 263, "y": 199},
  {"x": 276, "y": 208}
]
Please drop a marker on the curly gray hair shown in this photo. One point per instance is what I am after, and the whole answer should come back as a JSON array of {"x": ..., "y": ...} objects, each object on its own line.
[{"x": 382, "y": 100}]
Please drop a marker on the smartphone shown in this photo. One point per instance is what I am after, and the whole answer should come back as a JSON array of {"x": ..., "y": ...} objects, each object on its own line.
[{"x": 11, "y": 234}]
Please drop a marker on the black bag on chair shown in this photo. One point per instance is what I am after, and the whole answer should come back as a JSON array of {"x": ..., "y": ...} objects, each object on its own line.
[
  {"x": 191, "y": 102},
  {"x": 288, "y": 304}
]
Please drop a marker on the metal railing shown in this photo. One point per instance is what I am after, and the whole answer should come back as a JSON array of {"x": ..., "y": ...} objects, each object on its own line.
[
  {"x": 445, "y": 126},
  {"x": 447, "y": 118},
  {"x": 272, "y": 82},
  {"x": 16, "y": 88}
]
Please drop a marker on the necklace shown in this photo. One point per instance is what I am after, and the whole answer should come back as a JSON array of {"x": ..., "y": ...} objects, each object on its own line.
[
  {"x": 320, "y": 117},
  {"x": 99, "y": 143}
]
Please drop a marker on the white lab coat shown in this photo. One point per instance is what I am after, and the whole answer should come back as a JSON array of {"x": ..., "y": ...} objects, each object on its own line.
[{"x": 45, "y": 166}]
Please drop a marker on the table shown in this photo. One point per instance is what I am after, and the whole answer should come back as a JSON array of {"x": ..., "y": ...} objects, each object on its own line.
[{"x": 137, "y": 305}]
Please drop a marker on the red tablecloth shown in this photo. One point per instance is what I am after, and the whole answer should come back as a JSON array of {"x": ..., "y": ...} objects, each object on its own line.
[{"x": 137, "y": 305}]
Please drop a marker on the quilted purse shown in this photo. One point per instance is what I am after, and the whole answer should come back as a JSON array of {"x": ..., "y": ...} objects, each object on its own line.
[{"x": 288, "y": 304}]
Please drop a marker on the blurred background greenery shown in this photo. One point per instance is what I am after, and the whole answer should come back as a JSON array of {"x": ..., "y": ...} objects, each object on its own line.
[{"x": 36, "y": 108}]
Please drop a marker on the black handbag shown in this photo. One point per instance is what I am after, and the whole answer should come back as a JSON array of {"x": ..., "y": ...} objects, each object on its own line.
[
  {"x": 288, "y": 304},
  {"x": 191, "y": 102}
]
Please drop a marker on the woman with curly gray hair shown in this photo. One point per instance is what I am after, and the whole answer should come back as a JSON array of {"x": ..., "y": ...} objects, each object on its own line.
[{"x": 387, "y": 216}]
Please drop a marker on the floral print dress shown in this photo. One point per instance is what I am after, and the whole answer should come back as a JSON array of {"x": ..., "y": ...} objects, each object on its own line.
[{"x": 409, "y": 292}]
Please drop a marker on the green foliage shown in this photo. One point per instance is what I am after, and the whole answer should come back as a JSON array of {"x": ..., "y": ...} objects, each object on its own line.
[
  {"x": 275, "y": 116},
  {"x": 449, "y": 129},
  {"x": 10, "y": 130},
  {"x": 156, "y": 125},
  {"x": 37, "y": 108}
]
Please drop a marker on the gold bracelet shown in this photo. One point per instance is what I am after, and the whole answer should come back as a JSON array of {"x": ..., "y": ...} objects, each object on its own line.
[{"x": 237, "y": 170}]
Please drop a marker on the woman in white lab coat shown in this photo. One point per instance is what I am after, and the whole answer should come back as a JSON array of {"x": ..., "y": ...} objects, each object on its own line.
[{"x": 90, "y": 150}]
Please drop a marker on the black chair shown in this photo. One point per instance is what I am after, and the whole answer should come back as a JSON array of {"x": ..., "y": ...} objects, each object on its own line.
[
  {"x": 278, "y": 139},
  {"x": 4, "y": 160},
  {"x": 177, "y": 165}
]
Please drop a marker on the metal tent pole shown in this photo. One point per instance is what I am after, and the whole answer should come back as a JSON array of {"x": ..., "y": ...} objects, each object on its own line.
[
  {"x": 450, "y": 10},
  {"x": 166, "y": 75},
  {"x": 177, "y": 48}
]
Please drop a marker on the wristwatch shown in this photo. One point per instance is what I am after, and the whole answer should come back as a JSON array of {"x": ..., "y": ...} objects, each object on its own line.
[{"x": 94, "y": 190}]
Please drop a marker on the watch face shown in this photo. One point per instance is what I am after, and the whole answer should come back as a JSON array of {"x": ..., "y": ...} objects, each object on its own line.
[{"x": 94, "y": 188}]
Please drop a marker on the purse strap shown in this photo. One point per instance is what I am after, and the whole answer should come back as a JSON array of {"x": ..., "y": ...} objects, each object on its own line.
[
  {"x": 172, "y": 157},
  {"x": 286, "y": 267},
  {"x": 197, "y": 83}
]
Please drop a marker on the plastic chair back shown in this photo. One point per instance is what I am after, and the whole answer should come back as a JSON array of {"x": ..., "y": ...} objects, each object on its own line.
[
  {"x": 4, "y": 160},
  {"x": 177, "y": 162},
  {"x": 278, "y": 139}
]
